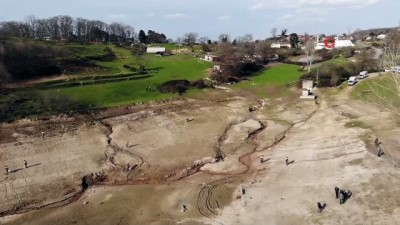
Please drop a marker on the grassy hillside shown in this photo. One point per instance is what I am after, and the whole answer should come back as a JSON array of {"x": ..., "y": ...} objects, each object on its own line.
[
  {"x": 381, "y": 91},
  {"x": 129, "y": 91},
  {"x": 272, "y": 82},
  {"x": 98, "y": 81}
]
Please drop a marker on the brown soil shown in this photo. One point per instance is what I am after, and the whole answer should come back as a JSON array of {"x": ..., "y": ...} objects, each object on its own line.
[{"x": 173, "y": 145}]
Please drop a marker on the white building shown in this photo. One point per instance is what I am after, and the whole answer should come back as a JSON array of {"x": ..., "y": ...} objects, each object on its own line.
[
  {"x": 210, "y": 58},
  {"x": 280, "y": 45},
  {"x": 308, "y": 86},
  {"x": 319, "y": 46},
  {"x": 381, "y": 36},
  {"x": 155, "y": 49},
  {"x": 343, "y": 43},
  {"x": 338, "y": 44}
]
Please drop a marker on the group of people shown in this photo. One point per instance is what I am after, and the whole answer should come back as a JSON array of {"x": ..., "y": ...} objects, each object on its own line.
[
  {"x": 262, "y": 160},
  {"x": 8, "y": 171},
  {"x": 342, "y": 195}
]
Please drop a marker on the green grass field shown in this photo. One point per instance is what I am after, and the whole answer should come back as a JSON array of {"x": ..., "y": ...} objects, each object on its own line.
[
  {"x": 84, "y": 50},
  {"x": 125, "y": 92},
  {"x": 272, "y": 82}
]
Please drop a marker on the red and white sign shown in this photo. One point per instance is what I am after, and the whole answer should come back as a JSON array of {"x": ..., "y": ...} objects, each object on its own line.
[{"x": 329, "y": 42}]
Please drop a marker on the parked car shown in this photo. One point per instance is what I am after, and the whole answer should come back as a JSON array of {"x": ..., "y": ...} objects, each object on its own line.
[
  {"x": 363, "y": 74},
  {"x": 352, "y": 81},
  {"x": 394, "y": 69}
]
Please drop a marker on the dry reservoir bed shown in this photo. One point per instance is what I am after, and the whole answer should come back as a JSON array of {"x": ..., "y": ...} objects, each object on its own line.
[{"x": 171, "y": 155}]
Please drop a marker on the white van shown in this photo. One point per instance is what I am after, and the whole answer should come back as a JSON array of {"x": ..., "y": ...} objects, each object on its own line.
[
  {"x": 363, "y": 74},
  {"x": 352, "y": 81},
  {"x": 394, "y": 69}
]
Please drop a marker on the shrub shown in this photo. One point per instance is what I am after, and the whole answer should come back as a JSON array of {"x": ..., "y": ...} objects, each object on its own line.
[
  {"x": 17, "y": 105},
  {"x": 200, "y": 84},
  {"x": 174, "y": 86},
  {"x": 325, "y": 54}
]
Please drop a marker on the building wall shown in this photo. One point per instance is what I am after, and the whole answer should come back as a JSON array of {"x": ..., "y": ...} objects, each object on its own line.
[
  {"x": 275, "y": 45},
  {"x": 155, "y": 49},
  {"x": 209, "y": 58},
  {"x": 343, "y": 43},
  {"x": 338, "y": 44}
]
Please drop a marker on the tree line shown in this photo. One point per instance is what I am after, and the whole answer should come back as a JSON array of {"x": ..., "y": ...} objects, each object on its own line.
[{"x": 68, "y": 28}]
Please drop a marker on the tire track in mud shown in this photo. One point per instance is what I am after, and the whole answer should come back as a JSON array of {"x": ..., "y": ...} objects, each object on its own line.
[
  {"x": 204, "y": 205},
  {"x": 117, "y": 149},
  {"x": 67, "y": 199},
  {"x": 100, "y": 117},
  {"x": 205, "y": 194}
]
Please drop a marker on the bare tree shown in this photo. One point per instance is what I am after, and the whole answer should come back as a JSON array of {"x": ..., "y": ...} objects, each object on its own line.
[
  {"x": 264, "y": 50},
  {"x": 310, "y": 53},
  {"x": 203, "y": 40},
  {"x": 139, "y": 51},
  {"x": 190, "y": 38},
  {"x": 247, "y": 49},
  {"x": 274, "y": 31},
  {"x": 32, "y": 21},
  {"x": 365, "y": 61},
  {"x": 284, "y": 31},
  {"x": 247, "y": 38},
  {"x": 224, "y": 38},
  {"x": 391, "y": 56},
  {"x": 80, "y": 27},
  {"x": 66, "y": 26},
  {"x": 54, "y": 27},
  {"x": 178, "y": 40}
]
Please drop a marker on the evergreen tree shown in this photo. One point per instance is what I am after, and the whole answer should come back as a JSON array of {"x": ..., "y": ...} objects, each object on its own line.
[{"x": 142, "y": 37}]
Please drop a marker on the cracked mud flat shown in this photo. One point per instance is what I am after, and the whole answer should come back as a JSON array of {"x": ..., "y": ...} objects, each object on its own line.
[{"x": 172, "y": 158}]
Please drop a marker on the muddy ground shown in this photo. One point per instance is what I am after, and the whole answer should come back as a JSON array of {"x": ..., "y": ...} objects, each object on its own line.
[{"x": 171, "y": 148}]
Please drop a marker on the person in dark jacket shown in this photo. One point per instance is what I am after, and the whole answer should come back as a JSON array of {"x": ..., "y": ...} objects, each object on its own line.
[
  {"x": 7, "y": 170},
  {"x": 341, "y": 197},
  {"x": 337, "y": 192},
  {"x": 320, "y": 207}
]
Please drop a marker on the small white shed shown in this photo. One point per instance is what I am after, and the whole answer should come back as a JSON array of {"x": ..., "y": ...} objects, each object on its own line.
[{"x": 155, "y": 49}]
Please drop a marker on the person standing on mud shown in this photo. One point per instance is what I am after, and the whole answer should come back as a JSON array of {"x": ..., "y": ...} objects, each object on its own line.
[
  {"x": 287, "y": 161},
  {"x": 341, "y": 197},
  {"x": 320, "y": 207},
  {"x": 380, "y": 152},
  {"x": 7, "y": 170},
  {"x": 337, "y": 192},
  {"x": 261, "y": 159},
  {"x": 25, "y": 164},
  {"x": 376, "y": 142}
]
